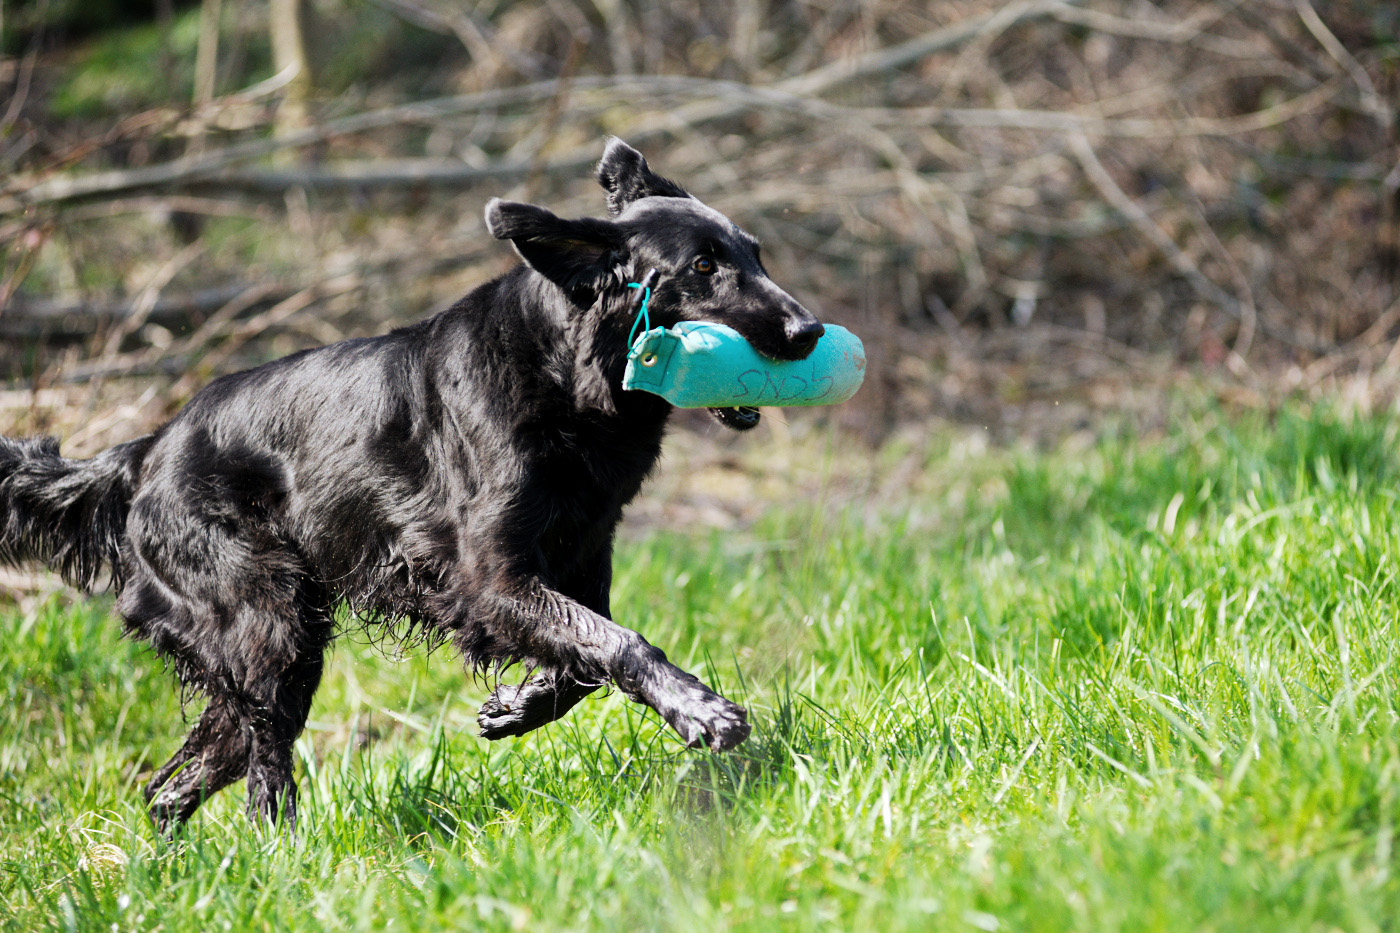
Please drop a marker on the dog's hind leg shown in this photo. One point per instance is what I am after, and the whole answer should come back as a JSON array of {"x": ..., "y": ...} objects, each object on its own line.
[
  {"x": 245, "y": 624},
  {"x": 215, "y": 754},
  {"x": 274, "y": 726},
  {"x": 250, "y": 735}
]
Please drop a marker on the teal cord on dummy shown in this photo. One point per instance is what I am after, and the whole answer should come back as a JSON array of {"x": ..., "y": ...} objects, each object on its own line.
[
  {"x": 642, "y": 315},
  {"x": 698, "y": 364}
]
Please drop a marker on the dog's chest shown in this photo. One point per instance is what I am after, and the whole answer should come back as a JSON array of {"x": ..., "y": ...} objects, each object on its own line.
[
  {"x": 587, "y": 472},
  {"x": 582, "y": 459}
]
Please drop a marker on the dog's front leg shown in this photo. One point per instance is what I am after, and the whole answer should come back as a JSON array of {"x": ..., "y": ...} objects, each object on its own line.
[
  {"x": 560, "y": 632},
  {"x": 548, "y": 694}
]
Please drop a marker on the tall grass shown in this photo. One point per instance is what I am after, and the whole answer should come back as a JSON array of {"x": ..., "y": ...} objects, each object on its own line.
[{"x": 1137, "y": 685}]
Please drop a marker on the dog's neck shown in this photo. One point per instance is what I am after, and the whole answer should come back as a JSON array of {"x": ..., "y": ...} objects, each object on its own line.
[{"x": 599, "y": 340}]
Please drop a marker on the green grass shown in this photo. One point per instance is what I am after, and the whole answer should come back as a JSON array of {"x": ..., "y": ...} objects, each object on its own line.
[{"x": 1143, "y": 685}]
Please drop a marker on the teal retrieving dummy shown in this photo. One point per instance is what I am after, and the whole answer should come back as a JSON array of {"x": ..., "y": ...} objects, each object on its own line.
[{"x": 697, "y": 364}]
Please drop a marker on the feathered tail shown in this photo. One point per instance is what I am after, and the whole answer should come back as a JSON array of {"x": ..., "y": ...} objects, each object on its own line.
[{"x": 67, "y": 514}]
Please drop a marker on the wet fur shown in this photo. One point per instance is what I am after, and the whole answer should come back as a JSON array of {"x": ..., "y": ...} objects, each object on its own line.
[{"x": 461, "y": 478}]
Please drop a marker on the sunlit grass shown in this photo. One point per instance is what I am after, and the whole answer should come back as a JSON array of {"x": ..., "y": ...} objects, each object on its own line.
[{"x": 1134, "y": 685}]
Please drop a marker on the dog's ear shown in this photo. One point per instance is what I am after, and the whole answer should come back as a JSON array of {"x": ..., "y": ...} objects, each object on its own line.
[
  {"x": 583, "y": 256},
  {"x": 625, "y": 176}
]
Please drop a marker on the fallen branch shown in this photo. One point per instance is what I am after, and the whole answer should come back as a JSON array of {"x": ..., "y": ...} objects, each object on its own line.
[
  {"x": 728, "y": 99},
  {"x": 29, "y": 318},
  {"x": 204, "y": 344},
  {"x": 219, "y": 173}
]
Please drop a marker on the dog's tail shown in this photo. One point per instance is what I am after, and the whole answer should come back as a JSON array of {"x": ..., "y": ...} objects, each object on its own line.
[{"x": 67, "y": 514}]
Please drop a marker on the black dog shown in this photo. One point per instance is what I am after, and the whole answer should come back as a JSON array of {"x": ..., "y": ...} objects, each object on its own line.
[{"x": 462, "y": 477}]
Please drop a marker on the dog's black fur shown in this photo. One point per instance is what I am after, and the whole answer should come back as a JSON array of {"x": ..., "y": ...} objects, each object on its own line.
[{"x": 463, "y": 477}]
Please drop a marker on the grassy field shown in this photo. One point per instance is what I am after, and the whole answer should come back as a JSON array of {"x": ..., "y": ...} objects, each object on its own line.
[{"x": 1136, "y": 685}]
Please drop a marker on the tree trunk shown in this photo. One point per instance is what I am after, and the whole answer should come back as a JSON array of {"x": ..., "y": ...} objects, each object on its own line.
[
  {"x": 206, "y": 62},
  {"x": 289, "y": 52}
]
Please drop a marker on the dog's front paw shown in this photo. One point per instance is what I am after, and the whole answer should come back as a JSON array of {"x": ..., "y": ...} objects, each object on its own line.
[
  {"x": 515, "y": 710},
  {"x": 711, "y": 722},
  {"x": 506, "y": 713}
]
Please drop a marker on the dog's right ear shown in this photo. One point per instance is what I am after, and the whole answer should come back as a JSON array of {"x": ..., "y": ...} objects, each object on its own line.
[
  {"x": 624, "y": 174},
  {"x": 583, "y": 256}
]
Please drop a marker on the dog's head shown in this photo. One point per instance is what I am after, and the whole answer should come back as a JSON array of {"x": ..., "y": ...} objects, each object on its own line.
[{"x": 701, "y": 267}]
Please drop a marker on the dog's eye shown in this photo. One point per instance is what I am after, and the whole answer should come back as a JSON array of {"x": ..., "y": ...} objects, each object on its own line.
[{"x": 704, "y": 265}]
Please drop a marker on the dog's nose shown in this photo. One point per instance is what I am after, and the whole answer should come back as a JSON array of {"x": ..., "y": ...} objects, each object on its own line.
[{"x": 805, "y": 334}]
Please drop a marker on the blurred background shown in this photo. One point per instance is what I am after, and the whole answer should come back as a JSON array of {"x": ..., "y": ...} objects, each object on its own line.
[{"x": 1037, "y": 214}]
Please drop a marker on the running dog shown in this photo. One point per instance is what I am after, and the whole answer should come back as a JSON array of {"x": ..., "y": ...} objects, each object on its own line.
[{"x": 461, "y": 479}]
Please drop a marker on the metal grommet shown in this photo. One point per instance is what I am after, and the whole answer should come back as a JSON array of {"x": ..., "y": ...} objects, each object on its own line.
[{"x": 649, "y": 359}]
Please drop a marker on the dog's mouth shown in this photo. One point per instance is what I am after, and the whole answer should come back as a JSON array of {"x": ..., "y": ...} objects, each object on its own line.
[
  {"x": 785, "y": 350},
  {"x": 797, "y": 344},
  {"x": 737, "y": 419}
]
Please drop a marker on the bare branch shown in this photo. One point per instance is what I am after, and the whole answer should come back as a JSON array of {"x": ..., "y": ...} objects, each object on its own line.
[
  {"x": 1118, "y": 198},
  {"x": 1370, "y": 100}
]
